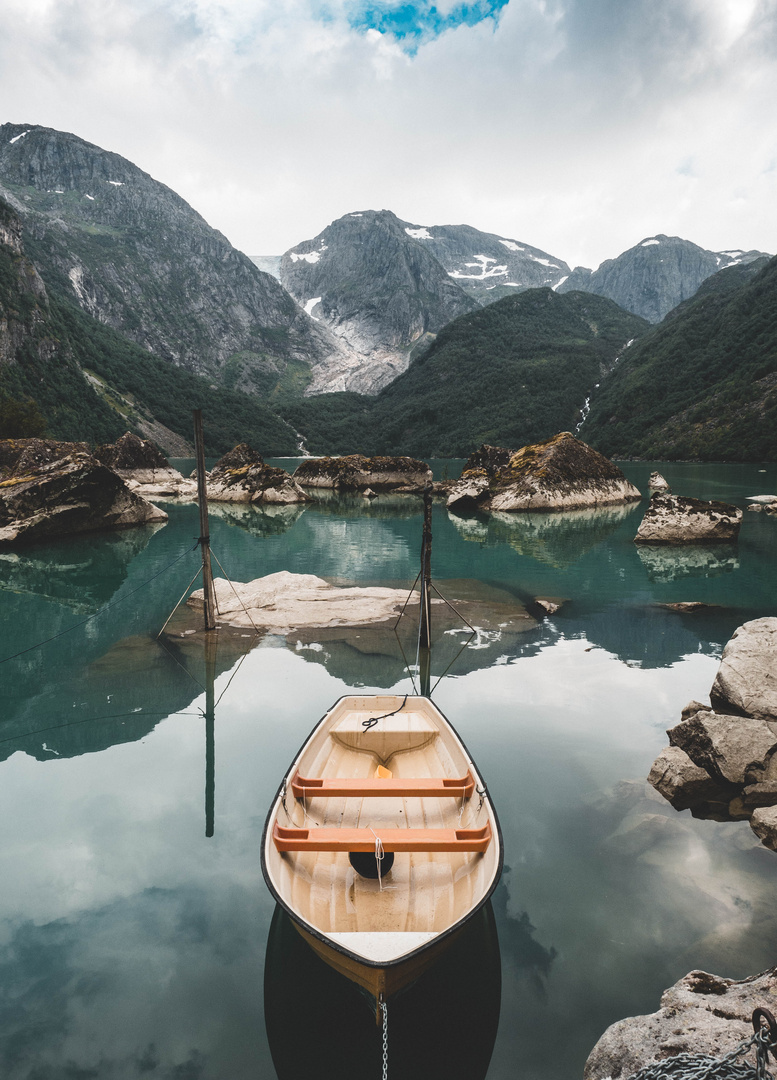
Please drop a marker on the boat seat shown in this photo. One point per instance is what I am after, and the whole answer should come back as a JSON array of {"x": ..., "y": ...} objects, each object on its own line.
[
  {"x": 386, "y": 736},
  {"x": 287, "y": 838},
  {"x": 368, "y": 787}
]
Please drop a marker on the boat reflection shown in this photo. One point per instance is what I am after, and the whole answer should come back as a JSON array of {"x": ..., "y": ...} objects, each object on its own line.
[{"x": 443, "y": 1027}]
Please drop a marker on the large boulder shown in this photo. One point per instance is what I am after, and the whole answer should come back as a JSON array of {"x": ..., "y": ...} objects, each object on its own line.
[
  {"x": 242, "y": 476},
  {"x": 49, "y": 490},
  {"x": 561, "y": 473},
  {"x": 700, "y": 1014},
  {"x": 722, "y": 761},
  {"x": 143, "y": 466},
  {"x": 357, "y": 473},
  {"x": 746, "y": 682},
  {"x": 675, "y": 519}
]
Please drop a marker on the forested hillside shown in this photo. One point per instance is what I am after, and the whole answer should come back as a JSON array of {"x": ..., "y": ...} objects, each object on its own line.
[
  {"x": 514, "y": 372},
  {"x": 701, "y": 385}
]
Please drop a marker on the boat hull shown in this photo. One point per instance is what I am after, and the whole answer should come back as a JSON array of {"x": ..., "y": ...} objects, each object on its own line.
[{"x": 382, "y": 934}]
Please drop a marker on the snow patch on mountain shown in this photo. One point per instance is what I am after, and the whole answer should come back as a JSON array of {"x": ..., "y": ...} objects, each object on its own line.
[
  {"x": 421, "y": 233},
  {"x": 310, "y": 305},
  {"x": 17, "y": 137},
  {"x": 482, "y": 269},
  {"x": 649, "y": 243},
  {"x": 511, "y": 245},
  {"x": 307, "y": 256}
]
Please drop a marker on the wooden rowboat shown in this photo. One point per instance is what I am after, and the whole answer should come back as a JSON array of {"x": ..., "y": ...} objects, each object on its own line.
[{"x": 382, "y": 779}]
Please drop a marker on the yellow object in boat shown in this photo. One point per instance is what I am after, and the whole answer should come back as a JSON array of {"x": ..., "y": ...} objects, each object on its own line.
[{"x": 383, "y": 773}]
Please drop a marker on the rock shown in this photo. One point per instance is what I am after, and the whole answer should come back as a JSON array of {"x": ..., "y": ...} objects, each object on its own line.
[
  {"x": 670, "y": 562},
  {"x": 764, "y": 824},
  {"x": 283, "y": 602},
  {"x": 675, "y": 519},
  {"x": 733, "y": 749},
  {"x": 49, "y": 493},
  {"x": 356, "y": 473},
  {"x": 700, "y": 1014},
  {"x": 138, "y": 460},
  {"x": 657, "y": 482},
  {"x": 550, "y": 607},
  {"x": 746, "y": 681},
  {"x": 730, "y": 748},
  {"x": 470, "y": 492},
  {"x": 685, "y": 606},
  {"x": 756, "y": 507},
  {"x": 242, "y": 476},
  {"x": 683, "y": 783},
  {"x": 561, "y": 473}
]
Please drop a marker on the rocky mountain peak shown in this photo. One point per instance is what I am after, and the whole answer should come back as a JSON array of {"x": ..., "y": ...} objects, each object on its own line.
[
  {"x": 377, "y": 288},
  {"x": 657, "y": 274}
]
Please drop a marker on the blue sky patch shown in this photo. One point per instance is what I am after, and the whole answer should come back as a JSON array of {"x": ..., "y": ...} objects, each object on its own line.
[{"x": 413, "y": 23}]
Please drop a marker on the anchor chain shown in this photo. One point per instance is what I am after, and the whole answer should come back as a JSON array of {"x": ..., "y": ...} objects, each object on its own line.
[
  {"x": 384, "y": 1009},
  {"x": 704, "y": 1067}
]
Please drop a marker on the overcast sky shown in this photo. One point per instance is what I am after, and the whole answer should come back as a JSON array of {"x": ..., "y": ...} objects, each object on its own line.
[{"x": 578, "y": 126}]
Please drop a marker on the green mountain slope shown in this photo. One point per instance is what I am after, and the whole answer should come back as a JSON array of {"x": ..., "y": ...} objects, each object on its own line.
[
  {"x": 515, "y": 372},
  {"x": 701, "y": 385},
  {"x": 89, "y": 383}
]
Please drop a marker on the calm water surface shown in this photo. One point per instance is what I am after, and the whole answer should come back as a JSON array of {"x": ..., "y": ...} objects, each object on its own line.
[{"x": 133, "y": 945}]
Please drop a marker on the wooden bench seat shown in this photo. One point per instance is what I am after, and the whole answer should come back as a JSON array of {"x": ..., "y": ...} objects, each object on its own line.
[
  {"x": 322, "y": 839},
  {"x": 370, "y": 787}
]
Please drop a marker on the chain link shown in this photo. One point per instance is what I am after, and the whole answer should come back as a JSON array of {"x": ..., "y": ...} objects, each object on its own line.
[
  {"x": 384, "y": 1007},
  {"x": 703, "y": 1067}
]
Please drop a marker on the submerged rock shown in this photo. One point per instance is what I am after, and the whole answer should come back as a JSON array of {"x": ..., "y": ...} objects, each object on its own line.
[
  {"x": 561, "y": 473},
  {"x": 242, "y": 476},
  {"x": 700, "y": 1014},
  {"x": 722, "y": 762},
  {"x": 675, "y": 519},
  {"x": 357, "y": 473},
  {"x": 49, "y": 490}
]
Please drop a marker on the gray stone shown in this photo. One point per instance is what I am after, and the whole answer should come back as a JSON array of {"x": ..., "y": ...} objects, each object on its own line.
[
  {"x": 700, "y": 1014},
  {"x": 683, "y": 783},
  {"x": 674, "y": 519},
  {"x": 763, "y": 822},
  {"x": 730, "y": 748},
  {"x": 657, "y": 482},
  {"x": 746, "y": 681}
]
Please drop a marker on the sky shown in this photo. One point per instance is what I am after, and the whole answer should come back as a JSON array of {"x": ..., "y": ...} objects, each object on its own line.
[{"x": 578, "y": 126}]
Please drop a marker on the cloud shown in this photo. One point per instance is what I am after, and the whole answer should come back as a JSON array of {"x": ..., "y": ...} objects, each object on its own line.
[{"x": 569, "y": 124}]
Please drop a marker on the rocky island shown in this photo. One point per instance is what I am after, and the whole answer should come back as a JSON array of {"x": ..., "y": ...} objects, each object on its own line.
[
  {"x": 51, "y": 489},
  {"x": 355, "y": 472},
  {"x": 561, "y": 473},
  {"x": 242, "y": 476}
]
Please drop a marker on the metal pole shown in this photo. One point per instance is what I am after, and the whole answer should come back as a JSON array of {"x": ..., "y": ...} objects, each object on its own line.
[{"x": 202, "y": 496}]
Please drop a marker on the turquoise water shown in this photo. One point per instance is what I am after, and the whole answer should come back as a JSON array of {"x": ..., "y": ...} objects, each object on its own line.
[{"x": 133, "y": 945}]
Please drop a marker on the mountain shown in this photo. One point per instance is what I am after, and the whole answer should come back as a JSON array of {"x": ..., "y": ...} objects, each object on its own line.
[
  {"x": 655, "y": 275},
  {"x": 486, "y": 265},
  {"x": 64, "y": 373},
  {"x": 378, "y": 289},
  {"x": 703, "y": 384},
  {"x": 135, "y": 256},
  {"x": 512, "y": 373}
]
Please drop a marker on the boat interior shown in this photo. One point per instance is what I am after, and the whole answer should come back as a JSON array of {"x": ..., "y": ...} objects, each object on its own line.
[{"x": 383, "y": 776}]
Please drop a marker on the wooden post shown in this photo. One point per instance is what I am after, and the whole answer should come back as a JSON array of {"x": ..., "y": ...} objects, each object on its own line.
[
  {"x": 210, "y": 732},
  {"x": 425, "y": 624},
  {"x": 202, "y": 496}
]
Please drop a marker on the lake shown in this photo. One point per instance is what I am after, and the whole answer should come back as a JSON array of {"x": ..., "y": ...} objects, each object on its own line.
[{"x": 134, "y": 945}]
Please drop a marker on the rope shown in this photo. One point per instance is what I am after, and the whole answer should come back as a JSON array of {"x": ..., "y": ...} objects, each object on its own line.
[
  {"x": 112, "y": 603},
  {"x": 367, "y": 724},
  {"x": 234, "y": 590}
]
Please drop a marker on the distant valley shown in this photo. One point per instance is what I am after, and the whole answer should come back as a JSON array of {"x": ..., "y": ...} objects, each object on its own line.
[{"x": 121, "y": 308}]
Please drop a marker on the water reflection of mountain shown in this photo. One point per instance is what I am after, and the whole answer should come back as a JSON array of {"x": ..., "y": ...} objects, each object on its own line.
[
  {"x": 379, "y": 656},
  {"x": 558, "y": 539},
  {"x": 690, "y": 560},
  {"x": 264, "y": 520},
  {"x": 118, "y": 698},
  {"x": 443, "y": 1027},
  {"x": 387, "y": 505},
  {"x": 82, "y": 573}
]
